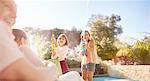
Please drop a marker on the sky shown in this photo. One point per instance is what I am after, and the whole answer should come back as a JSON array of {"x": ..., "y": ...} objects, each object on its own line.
[{"x": 47, "y": 14}]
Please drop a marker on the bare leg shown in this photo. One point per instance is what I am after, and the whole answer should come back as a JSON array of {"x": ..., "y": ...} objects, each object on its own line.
[
  {"x": 90, "y": 75},
  {"x": 84, "y": 75}
]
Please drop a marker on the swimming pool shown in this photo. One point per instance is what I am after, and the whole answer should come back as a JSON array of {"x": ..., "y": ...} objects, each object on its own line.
[{"x": 107, "y": 78}]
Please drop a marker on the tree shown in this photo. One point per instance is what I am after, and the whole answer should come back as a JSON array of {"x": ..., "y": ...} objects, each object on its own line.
[
  {"x": 141, "y": 52},
  {"x": 124, "y": 56},
  {"x": 104, "y": 30},
  {"x": 121, "y": 44}
]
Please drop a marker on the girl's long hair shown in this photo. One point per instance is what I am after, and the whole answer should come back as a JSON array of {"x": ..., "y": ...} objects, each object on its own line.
[{"x": 86, "y": 32}]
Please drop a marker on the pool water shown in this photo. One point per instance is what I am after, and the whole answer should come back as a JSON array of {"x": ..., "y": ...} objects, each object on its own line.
[{"x": 106, "y": 78}]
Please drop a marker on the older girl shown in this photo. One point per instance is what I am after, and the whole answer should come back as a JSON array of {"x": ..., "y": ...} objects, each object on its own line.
[{"x": 89, "y": 56}]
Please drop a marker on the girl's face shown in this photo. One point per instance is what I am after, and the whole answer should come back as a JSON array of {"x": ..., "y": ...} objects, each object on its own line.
[
  {"x": 62, "y": 41},
  {"x": 86, "y": 36}
]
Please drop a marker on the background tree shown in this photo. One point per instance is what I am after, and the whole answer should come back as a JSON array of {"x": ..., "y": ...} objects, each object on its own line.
[
  {"x": 141, "y": 52},
  {"x": 121, "y": 44},
  {"x": 124, "y": 56},
  {"x": 104, "y": 30}
]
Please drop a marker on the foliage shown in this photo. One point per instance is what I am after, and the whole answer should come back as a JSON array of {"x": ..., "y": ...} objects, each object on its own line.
[
  {"x": 141, "y": 52},
  {"x": 104, "y": 30},
  {"x": 140, "y": 55},
  {"x": 124, "y": 56},
  {"x": 73, "y": 63},
  {"x": 74, "y": 54},
  {"x": 125, "y": 52},
  {"x": 42, "y": 46},
  {"x": 121, "y": 44}
]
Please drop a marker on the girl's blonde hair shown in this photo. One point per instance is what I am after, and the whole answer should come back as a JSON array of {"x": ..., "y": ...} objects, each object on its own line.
[{"x": 63, "y": 35}]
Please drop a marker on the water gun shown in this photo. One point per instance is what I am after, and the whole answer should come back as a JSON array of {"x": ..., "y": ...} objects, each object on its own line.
[
  {"x": 83, "y": 48},
  {"x": 53, "y": 42}
]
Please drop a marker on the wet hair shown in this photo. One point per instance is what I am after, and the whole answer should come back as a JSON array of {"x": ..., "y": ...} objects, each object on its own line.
[
  {"x": 19, "y": 34},
  {"x": 63, "y": 35}
]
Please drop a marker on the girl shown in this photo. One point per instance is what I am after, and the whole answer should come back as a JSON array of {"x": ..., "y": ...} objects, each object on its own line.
[
  {"x": 61, "y": 51},
  {"x": 89, "y": 56}
]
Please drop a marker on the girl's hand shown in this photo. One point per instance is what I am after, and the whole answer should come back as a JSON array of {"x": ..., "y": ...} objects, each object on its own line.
[
  {"x": 53, "y": 43},
  {"x": 53, "y": 54}
]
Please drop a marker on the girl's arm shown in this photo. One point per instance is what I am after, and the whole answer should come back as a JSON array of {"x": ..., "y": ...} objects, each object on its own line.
[
  {"x": 90, "y": 46},
  {"x": 92, "y": 50},
  {"x": 53, "y": 54}
]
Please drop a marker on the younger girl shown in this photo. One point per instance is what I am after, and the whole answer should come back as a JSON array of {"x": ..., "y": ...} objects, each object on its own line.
[{"x": 61, "y": 51}]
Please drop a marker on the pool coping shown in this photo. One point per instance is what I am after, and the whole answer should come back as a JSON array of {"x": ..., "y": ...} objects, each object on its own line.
[
  {"x": 106, "y": 75},
  {"x": 101, "y": 75}
]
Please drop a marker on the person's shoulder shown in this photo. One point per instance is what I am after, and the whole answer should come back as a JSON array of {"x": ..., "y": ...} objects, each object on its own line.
[
  {"x": 91, "y": 44},
  {"x": 24, "y": 47},
  {"x": 91, "y": 41},
  {"x": 64, "y": 48},
  {"x": 27, "y": 50}
]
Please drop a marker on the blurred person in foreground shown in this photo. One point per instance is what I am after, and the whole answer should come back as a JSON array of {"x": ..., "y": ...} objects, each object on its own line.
[{"x": 14, "y": 66}]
